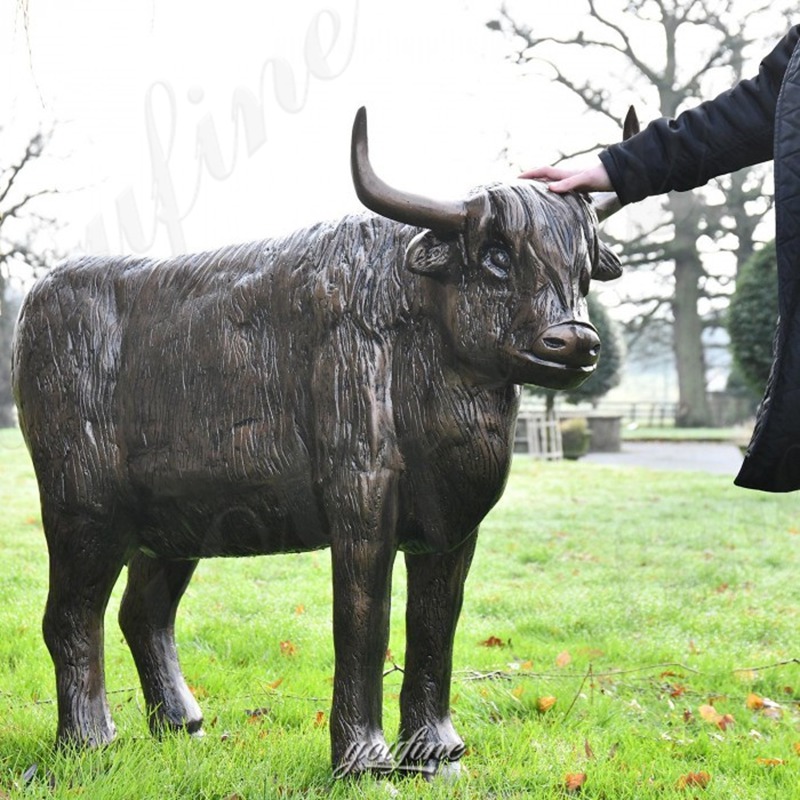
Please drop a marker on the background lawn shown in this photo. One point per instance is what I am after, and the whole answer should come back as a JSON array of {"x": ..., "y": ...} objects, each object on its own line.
[{"x": 626, "y": 634}]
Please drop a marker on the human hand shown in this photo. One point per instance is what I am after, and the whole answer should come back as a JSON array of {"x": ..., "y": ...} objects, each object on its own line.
[{"x": 591, "y": 179}]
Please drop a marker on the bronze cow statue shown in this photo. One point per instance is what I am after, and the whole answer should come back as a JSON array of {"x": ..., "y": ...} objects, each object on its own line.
[{"x": 353, "y": 385}]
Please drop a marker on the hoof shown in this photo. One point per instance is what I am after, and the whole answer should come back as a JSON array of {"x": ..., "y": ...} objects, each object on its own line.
[
  {"x": 85, "y": 740},
  {"x": 367, "y": 757},
  {"x": 444, "y": 771},
  {"x": 162, "y": 725}
]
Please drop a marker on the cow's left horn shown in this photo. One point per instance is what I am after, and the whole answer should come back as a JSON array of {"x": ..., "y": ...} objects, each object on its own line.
[
  {"x": 607, "y": 203},
  {"x": 378, "y": 196}
]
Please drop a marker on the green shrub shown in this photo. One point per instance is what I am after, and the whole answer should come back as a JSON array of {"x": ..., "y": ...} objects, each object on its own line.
[
  {"x": 752, "y": 315},
  {"x": 575, "y": 436}
]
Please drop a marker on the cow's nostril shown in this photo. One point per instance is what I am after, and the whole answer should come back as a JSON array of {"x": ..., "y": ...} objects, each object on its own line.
[{"x": 553, "y": 343}]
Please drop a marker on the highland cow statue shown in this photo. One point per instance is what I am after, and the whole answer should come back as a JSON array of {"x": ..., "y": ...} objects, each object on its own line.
[{"x": 352, "y": 386}]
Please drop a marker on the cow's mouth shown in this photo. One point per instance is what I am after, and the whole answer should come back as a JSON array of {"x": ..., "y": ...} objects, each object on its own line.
[{"x": 554, "y": 374}]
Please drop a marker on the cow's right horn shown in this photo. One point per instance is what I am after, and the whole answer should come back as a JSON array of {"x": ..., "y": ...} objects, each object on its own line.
[{"x": 378, "y": 196}]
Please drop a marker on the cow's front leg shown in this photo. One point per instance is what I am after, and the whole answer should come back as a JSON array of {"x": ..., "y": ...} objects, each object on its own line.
[
  {"x": 435, "y": 593},
  {"x": 363, "y": 551}
]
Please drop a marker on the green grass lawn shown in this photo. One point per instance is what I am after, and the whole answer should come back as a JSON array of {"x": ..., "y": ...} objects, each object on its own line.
[
  {"x": 668, "y": 433},
  {"x": 632, "y": 631}
]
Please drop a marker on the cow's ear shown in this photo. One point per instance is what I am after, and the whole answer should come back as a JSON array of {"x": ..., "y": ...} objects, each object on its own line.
[
  {"x": 607, "y": 267},
  {"x": 430, "y": 255}
]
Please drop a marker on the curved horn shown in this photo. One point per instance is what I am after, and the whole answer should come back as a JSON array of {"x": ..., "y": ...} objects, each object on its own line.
[
  {"x": 442, "y": 217},
  {"x": 607, "y": 203}
]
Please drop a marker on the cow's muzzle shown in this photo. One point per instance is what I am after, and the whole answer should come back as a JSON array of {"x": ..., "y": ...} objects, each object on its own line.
[{"x": 575, "y": 345}]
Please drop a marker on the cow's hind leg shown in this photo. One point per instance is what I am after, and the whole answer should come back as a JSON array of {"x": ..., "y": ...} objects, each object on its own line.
[
  {"x": 86, "y": 557},
  {"x": 435, "y": 593},
  {"x": 147, "y": 618}
]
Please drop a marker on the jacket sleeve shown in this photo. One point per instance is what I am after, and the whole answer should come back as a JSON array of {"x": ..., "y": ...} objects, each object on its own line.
[{"x": 732, "y": 131}]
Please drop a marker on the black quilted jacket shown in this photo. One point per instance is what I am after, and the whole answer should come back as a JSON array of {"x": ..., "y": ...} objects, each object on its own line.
[{"x": 757, "y": 120}]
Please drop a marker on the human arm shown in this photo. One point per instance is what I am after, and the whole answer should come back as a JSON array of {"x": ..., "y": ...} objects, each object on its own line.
[{"x": 732, "y": 131}]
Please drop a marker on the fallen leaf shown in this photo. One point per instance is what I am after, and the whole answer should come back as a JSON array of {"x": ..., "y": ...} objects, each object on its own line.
[
  {"x": 710, "y": 714},
  {"x": 517, "y": 691},
  {"x": 493, "y": 641},
  {"x": 677, "y": 690},
  {"x": 574, "y": 780},
  {"x": 698, "y": 779},
  {"x": 587, "y": 748},
  {"x": 796, "y": 747},
  {"x": 388, "y": 656},
  {"x": 200, "y": 692},
  {"x": 754, "y": 702},
  {"x": 300, "y": 609},
  {"x": 770, "y": 762},
  {"x": 725, "y": 722},
  {"x": 563, "y": 659},
  {"x": 545, "y": 703},
  {"x": 319, "y": 719},
  {"x": 275, "y": 684},
  {"x": 288, "y": 648}
]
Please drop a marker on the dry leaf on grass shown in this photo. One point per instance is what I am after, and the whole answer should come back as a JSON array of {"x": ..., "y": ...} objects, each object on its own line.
[
  {"x": 710, "y": 714},
  {"x": 563, "y": 659},
  {"x": 288, "y": 648},
  {"x": 699, "y": 780},
  {"x": 754, "y": 702},
  {"x": 545, "y": 703},
  {"x": 573, "y": 781}
]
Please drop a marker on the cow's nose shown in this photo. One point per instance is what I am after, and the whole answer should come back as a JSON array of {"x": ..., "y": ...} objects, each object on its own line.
[{"x": 574, "y": 344}]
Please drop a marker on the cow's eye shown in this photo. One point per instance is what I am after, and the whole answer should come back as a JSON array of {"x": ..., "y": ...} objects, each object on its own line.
[
  {"x": 497, "y": 260},
  {"x": 584, "y": 280}
]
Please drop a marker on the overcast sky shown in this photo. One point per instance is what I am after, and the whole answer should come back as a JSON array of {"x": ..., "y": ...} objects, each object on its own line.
[{"x": 140, "y": 95}]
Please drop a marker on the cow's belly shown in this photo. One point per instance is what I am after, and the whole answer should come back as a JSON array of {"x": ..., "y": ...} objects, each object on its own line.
[{"x": 277, "y": 517}]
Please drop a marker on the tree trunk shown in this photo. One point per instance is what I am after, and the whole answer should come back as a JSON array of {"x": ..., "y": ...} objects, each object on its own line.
[
  {"x": 687, "y": 336},
  {"x": 693, "y": 408},
  {"x": 8, "y": 313}
]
